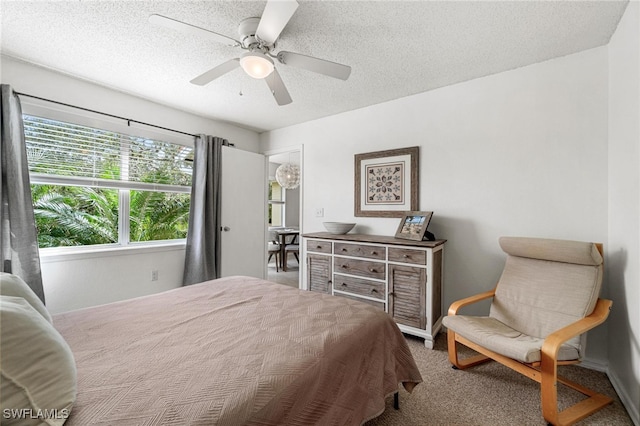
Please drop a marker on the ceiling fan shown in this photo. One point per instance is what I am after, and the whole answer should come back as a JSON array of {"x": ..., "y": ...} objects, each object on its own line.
[{"x": 258, "y": 36}]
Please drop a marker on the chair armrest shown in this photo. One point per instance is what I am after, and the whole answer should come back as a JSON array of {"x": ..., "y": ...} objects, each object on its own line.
[
  {"x": 553, "y": 341},
  {"x": 455, "y": 306}
]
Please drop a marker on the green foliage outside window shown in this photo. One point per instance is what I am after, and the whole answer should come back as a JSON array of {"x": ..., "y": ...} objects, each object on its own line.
[
  {"x": 75, "y": 215},
  {"x": 158, "y": 216}
]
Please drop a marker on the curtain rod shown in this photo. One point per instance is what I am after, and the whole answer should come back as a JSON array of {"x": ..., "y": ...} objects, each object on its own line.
[{"x": 128, "y": 120}]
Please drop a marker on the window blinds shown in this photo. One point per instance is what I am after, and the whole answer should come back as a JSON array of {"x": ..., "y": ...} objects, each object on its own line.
[{"x": 71, "y": 154}]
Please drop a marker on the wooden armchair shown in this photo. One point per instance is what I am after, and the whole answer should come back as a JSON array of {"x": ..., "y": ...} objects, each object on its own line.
[{"x": 545, "y": 301}]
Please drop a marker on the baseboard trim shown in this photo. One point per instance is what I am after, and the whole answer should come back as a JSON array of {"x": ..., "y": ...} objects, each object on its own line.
[
  {"x": 627, "y": 402},
  {"x": 594, "y": 365},
  {"x": 629, "y": 405}
]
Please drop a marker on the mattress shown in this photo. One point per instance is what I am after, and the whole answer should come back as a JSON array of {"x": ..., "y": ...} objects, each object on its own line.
[{"x": 234, "y": 351}]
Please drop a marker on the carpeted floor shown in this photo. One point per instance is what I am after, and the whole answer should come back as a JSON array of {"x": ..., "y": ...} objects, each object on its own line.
[{"x": 488, "y": 394}]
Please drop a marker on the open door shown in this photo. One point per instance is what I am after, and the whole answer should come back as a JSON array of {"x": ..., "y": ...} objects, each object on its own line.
[{"x": 243, "y": 213}]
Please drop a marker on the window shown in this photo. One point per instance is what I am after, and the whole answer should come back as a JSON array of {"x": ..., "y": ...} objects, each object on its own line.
[
  {"x": 276, "y": 204},
  {"x": 93, "y": 186}
]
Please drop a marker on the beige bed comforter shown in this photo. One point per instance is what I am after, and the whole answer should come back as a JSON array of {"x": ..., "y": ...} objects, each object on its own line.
[{"x": 235, "y": 351}]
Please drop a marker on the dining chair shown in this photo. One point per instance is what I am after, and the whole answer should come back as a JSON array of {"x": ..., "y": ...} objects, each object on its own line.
[
  {"x": 291, "y": 248},
  {"x": 273, "y": 248}
]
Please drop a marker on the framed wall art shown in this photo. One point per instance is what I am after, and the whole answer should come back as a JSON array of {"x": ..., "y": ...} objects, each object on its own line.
[
  {"x": 386, "y": 182},
  {"x": 413, "y": 225}
]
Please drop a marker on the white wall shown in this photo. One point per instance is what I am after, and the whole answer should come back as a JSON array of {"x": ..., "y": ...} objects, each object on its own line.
[
  {"x": 88, "y": 279},
  {"x": 624, "y": 209},
  {"x": 45, "y": 83},
  {"x": 518, "y": 153},
  {"x": 81, "y": 280},
  {"x": 292, "y": 208}
]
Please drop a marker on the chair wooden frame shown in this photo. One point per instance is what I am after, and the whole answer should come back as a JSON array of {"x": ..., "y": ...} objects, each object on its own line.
[
  {"x": 275, "y": 252},
  {"x": 290, "y": 248},
  {"x": 544, "y": 372}
]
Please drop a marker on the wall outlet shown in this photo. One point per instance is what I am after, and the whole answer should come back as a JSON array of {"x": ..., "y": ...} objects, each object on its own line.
[
  {"x": 319, "y": 212},
  {"x": 154, "y": 275}
]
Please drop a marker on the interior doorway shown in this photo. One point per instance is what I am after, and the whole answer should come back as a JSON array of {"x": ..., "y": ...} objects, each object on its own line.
[{"x": 284, "y": 221}]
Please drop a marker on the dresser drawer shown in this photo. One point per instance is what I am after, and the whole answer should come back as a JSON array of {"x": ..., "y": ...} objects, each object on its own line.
[
  {"x": 379, "y": 305},
  {"x": 363, "y": 268},
  {"x": 359, "y": 286},
  {"x": 416, "y": 257},
  {"x": 319, "y": 246},
  {"x": 360, "y": 250}
]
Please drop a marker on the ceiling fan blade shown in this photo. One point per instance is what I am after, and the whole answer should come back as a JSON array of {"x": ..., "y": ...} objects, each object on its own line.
[
  {"x": 275, "y": 17},
  {"x": 216, "y": 72},
  {"x": 321, "y": 66},
  {"x": 278, "y": 89},
  {"x": 163, "y": 21}
]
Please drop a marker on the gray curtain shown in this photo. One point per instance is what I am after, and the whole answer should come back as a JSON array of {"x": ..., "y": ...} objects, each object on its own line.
[
  {"x": 18, "y": 235},
  {"x": 202, "y": 257}
]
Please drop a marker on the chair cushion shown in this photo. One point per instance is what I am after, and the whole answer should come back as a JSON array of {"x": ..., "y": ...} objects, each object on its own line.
[
  {"x": 540, "y": 292},
  {"x": 273, "y": 247},
  {"x": 538, "y": 297},
  {"x": 38, "y": 370},
  {"x": 13, "y": 285},
  {"x": 578, "y": 252},
  {"x": 292, "y": 247},
  {"x": 498, "y": 337}
]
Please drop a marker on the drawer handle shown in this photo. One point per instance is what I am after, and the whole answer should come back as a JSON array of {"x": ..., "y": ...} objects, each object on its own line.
[
  {"x": 372, "y": 270},
  {"x": 344, "y": 284},
  {"x": 373, "y": 290},
  {"x": 344, "y": 249},
  {"x": 344, "y": 266},
  {"x": 374, "y": 253},
  {"x": 392, "y": 294},
  {"x": 318, "y": 247},
  {"x": 406, "y": 256}
]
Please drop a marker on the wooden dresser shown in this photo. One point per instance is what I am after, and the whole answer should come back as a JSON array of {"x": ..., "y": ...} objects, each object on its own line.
[{"x": 401, "y": 277}]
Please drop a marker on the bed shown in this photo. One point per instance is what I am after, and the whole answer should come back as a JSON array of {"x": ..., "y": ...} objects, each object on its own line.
[{"x": 232, "y": 351}]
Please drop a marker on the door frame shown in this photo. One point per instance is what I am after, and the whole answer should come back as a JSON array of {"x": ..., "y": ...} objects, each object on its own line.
[{"x": 287, "y": 150}]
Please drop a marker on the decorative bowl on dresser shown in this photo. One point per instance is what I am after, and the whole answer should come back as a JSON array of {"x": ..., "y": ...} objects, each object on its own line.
[
  {"x": 401, "y": 277},
  {"x": 338, "y": 228}
]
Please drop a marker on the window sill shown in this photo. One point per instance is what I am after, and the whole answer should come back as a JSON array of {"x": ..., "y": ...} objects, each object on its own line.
[{"x": 49, "y": 255}]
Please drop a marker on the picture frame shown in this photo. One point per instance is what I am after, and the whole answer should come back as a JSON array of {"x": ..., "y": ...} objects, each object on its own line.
[
  {"x": 413, "y": 225},
  {"x": 386, "y": 182}
]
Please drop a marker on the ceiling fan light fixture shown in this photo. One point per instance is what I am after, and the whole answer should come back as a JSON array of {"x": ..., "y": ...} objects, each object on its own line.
[{"x": 256, "y": 64}]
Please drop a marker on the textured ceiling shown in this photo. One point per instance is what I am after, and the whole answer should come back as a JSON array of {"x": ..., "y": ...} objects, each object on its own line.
[{"x": 395, "y": 48}]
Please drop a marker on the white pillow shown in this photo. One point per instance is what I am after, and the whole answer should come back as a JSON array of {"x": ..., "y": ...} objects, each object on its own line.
[
  {"x": 13, "y": 285},
  {"x": 38, "y": 371}
]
